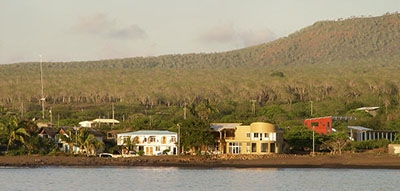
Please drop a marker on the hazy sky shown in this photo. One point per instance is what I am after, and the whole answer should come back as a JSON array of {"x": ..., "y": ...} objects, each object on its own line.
[{"x": 76, "y": 30}]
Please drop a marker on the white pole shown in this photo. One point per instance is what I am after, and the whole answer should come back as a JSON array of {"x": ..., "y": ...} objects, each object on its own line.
[
  {"x": 179, "y": 139},
  {"x": 42, "y": 99},
  {"x": 313, "y": 141}
]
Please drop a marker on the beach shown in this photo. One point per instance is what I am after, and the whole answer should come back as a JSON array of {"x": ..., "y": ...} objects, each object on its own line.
[{"x": 347, "y": 160}]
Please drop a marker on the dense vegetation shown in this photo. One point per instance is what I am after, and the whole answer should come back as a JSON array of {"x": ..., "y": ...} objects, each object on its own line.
[{"x": 335, "y": 66}]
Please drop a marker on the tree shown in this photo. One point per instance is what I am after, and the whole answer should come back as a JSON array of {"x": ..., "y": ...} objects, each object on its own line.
[
  {"x": 195, "y": 134},
  {"x": 336, "y": 142},
  {"x": 15, "y": 133},
  {"x": 88, "y": 143},
  {"x": 69, "y": 138},
  {"x": 300, "y": 138}
]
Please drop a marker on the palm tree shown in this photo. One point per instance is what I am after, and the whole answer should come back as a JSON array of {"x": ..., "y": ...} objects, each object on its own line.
[
  {"x": 69, "y": 138},
  {"x": 88, "y": 143},
  {"x": 15, "y": 133}
]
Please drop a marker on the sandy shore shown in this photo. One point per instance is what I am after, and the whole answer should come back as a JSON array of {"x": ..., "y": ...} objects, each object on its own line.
[{"x": 364, "y": 160}]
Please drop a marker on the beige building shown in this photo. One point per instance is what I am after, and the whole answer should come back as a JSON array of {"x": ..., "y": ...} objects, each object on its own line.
[{"x": 256, "y": 138}]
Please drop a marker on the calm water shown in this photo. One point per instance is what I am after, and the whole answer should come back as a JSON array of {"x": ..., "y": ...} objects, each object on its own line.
[{"x": 151, "y": 178}]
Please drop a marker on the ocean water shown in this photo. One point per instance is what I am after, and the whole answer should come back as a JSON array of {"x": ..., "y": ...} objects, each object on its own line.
[{"x": 214, "y": 179}]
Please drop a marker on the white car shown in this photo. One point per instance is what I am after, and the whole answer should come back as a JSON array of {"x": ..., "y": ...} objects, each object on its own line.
[{"x": 108, "y": 155}]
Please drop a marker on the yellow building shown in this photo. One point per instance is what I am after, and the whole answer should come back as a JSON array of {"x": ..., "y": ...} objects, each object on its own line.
[{"x": 256, "y": 138}]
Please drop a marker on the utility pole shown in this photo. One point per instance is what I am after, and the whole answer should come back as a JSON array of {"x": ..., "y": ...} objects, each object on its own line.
[
  {"x": 313, "y": 140},
  {"x": 311, "y": 108},
  {"x": 253, "y": 108},
  {"x": 51, "y": 116},
  {"x": 179, "y": 138},
  {"x": 112, "y": 106},
  {"x": 184, "y": 110},
  {"x": 42, "y": 99}
]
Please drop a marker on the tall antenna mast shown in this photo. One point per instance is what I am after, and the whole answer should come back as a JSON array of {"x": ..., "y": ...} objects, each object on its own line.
[{"x": 42, "y": 99}]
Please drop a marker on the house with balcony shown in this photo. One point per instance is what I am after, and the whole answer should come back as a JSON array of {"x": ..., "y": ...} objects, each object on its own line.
[
  {"x": 151, "y": 142},
  {"x": 256, "y": 138}
]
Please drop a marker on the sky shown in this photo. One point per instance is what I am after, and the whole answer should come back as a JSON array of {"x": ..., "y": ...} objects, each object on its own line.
[{"x": 82, "y": 30}]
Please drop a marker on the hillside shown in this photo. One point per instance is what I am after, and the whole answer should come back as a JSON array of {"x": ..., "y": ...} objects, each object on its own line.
[
  {"x": 336, "y": 64},
  {"x": 335, "y": 42}
]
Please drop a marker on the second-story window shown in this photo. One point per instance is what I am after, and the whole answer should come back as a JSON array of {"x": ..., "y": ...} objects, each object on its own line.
[
  {"x": 255, "y": 135},
  {"x": 152, "y": 139}
]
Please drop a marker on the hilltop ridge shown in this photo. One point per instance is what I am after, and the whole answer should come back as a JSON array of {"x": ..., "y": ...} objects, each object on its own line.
[{"x": 336, "y": 63}]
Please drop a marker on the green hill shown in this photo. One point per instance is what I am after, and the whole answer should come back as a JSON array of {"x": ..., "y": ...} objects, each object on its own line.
[{"x": 338, "y": 65}]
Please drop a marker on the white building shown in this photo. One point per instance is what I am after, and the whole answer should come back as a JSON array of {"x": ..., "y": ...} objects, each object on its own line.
[
  {"x": 98, "y": 122},
  {"x": 151, "y": 142}
]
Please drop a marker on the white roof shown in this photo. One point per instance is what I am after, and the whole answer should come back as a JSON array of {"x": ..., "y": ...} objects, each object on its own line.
[
  {"x": 368, "y": 108},
  {"x": 147, "y": 132},
  {"x": 359, "y": 128},
  {"x": 85, "y": 123},
  {"x": 105, "y": 121}
]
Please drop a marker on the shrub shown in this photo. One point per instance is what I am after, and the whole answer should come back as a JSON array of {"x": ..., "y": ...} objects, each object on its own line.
[{"x": 370, "y": 144}]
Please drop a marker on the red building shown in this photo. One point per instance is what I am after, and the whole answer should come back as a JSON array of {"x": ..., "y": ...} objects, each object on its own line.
[{"x": 321, "y": 125}]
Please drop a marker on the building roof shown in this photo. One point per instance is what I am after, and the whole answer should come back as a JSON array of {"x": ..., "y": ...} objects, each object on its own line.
[
  {"x": 359, "y": 128},
  {"x": 51, "y": 131},
  {"x": 85, "y": 123},
  {"x": 223, "y": 126},
  {"x": 337, "y": 118},
  {"x": 368, "y": 108},
  {"x": 105, "y": 121},
  {"x": 148, "y": 132}
]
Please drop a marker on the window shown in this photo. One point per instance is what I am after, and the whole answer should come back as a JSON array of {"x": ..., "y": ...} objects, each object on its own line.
[
  {"x": 216, "y": 146},
  {"x": 157, "y": 148},
  {"x": 253, "y": 147},
  {"x": 248, "y": 135},
  {"x": 152, "y": 139},
  {"x": 234, "y": 148},
  {"x": 266, "y": 135},
  {"x": 136, "y": 140},
  {"x": 272, "y": 148},
  {"x": 173, "y": 139},
  {"x": 264, "y": 147},
  {"x": 255, "y": 135},
  {"x": 248, "y": 148},
  {"x": 126, "y": 139}
]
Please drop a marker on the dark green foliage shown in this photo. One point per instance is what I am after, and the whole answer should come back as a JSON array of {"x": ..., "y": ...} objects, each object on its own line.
[
  {"x": 300, "y": 139},
  {"x": 277, "y": 74},
  {"x": 273, "y": 114},
  {"x": 195, "y": 134},
  {"x": 369, "y": 144},
  {"x": 336, "y": 142}
]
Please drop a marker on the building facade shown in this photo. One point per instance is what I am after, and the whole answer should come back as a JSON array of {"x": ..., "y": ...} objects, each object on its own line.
[
  {"x": 151, "y": 142},
  {"x": 256, "y": 138},
  {"x": 323, "y": 125},
  {"x": 358, "y": 133}
]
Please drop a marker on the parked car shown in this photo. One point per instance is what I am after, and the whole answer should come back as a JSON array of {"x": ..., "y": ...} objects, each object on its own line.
[{"x": 108, "y": 155}]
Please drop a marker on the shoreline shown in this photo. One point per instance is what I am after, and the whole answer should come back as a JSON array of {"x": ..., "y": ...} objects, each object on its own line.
[{"x": 344, "y": 161}]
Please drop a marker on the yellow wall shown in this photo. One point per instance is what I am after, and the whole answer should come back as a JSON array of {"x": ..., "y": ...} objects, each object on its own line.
[{"x": 274, "y": 138}]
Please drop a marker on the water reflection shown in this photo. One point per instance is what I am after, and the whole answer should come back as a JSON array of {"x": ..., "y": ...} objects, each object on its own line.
[{"x": 173, "y": 178}]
